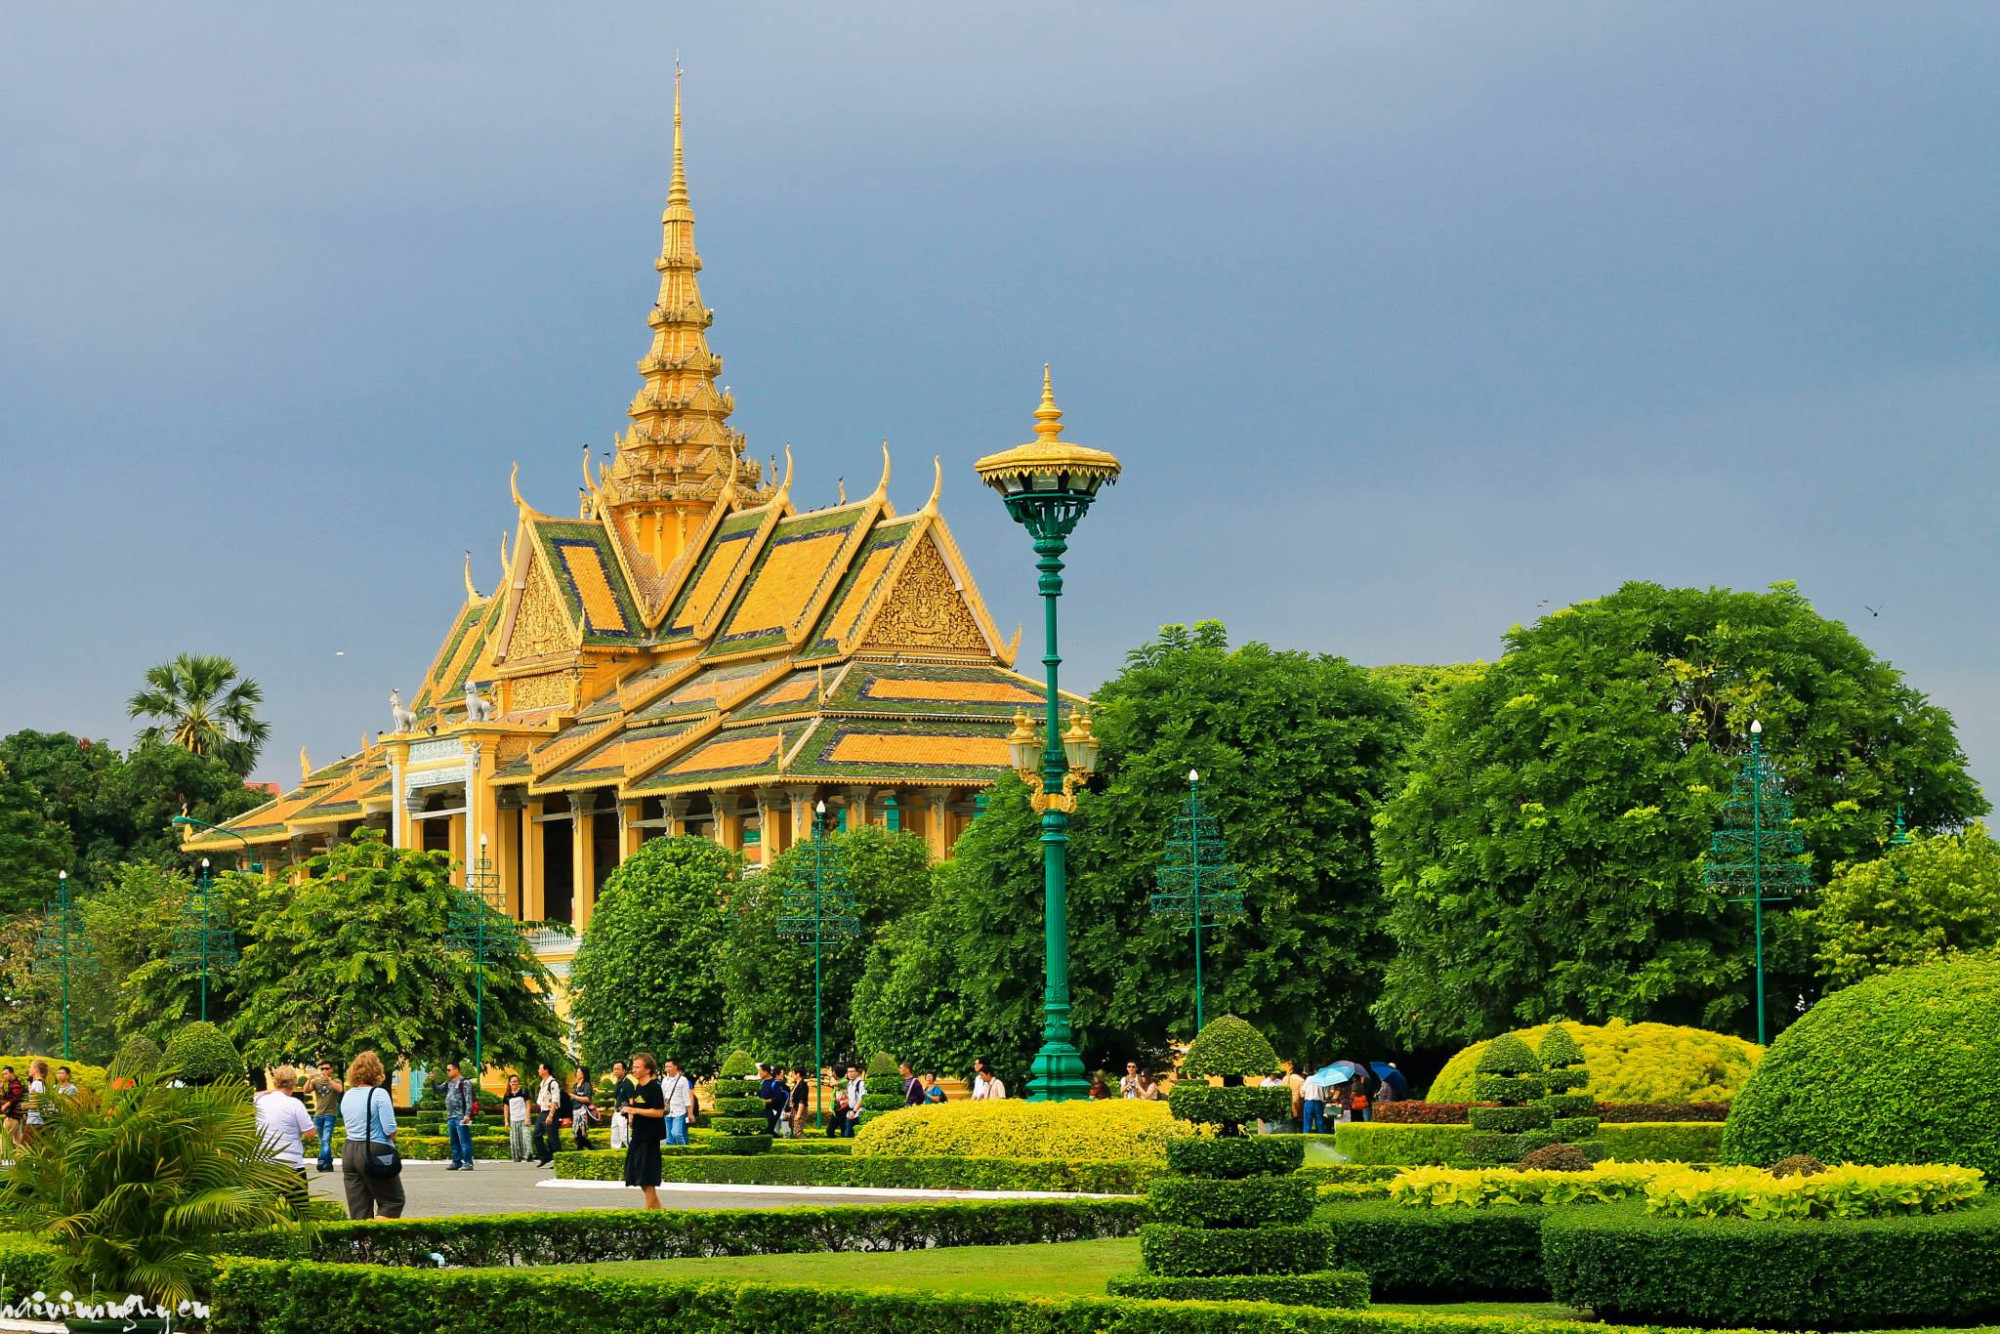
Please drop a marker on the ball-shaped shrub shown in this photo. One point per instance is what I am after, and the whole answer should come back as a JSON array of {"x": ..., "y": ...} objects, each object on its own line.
[
  {"x": 199, "y": 1053},
  {"x": 1229, "y": 1047},
  {"x": 1122, "y": 1129},
  {"x": 1901, "y": 1068},
  {"x": 137, "y": 1054},
  {"x": 1630, "y": 1063}
]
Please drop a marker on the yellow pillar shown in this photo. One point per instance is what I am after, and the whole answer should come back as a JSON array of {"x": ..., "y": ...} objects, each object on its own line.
[
  {"x": 455, "y": 827},
  {"x": 582, "y": 857},
  {"x": 937, "y": 822},
  {"x": 728, "y": 820},
  {"x": 535, "y": 898},
  {"x": 629, "y": 838},
  {"x": 506, "y": 853},
  {"x": 771, "y": 838}
]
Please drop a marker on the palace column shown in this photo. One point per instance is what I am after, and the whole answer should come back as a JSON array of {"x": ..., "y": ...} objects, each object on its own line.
[
  {"x": 802, "y": 812},
  {"x": 482, "y": 802},
  {"x": 728, "y": 820},
  {"x": 937, "y": 822},
  {"x": 857, "y": 800},
  {"x": 771, "y": 833},
  {"x": 582, "y": 856},
  {"x": 399, "y": 802},
  {"x": 674, "y": 810},
  {"x": 534, "y": 901},
  {"x": 630, "y": 836},
  {"x": 506, "y": 847}
]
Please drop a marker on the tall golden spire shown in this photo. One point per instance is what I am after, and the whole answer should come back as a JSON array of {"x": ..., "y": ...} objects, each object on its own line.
[{"x": 678, "y": 452}]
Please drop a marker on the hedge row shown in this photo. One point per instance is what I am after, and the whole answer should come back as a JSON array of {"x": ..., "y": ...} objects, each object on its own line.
[
  {"x": 1334, "y": 1288},
  {"x": 1455, "y": 1113},
  {"x": 1175, "y": 1251},
  {"x": 805, "y": 1169},
  {"x": 1439, "y": 1254},
  {"x": 1246, "y": 1202},
  {"x": 261, "y": 1297},
  {"x": 1818, "y": 1274},
  {"x": 1380, "y": 1142},
  {"x": 25, "y": 1264},
  {"x": 594, "y": 1235}
]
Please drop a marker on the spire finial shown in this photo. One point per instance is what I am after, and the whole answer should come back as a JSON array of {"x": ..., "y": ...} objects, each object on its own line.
[
  {"x": 677, "y": 192},
  {"x": 1048, "y": 417}
]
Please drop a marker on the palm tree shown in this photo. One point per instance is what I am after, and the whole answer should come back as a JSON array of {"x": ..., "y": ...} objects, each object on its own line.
[{"x": 205, "y": 708}]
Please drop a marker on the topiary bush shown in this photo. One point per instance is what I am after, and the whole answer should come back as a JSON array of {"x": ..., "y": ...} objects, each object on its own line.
[
  {"x": 199, "y": 1053},
  {"x": 883, "y": 1091},
  {"x": 1229, "y": 1048},
  {"x": 740, "y": 1124},
  {"x": 1556, "y": 1158},
  {"x": 1234, "y": 1211},
  {"x": 1511, "y": 1076},
  {"x": 1900, "y": 1068},
  {"x": 137, "y": 1055},
  {"x": 1629, "y": 1063}
]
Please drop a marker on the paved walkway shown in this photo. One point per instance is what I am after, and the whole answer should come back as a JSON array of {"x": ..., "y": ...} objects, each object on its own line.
[{"x": 501, "y": 1187}]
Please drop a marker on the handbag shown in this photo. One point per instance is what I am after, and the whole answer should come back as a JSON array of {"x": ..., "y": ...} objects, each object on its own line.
[{"x": 380, "y": 1164}]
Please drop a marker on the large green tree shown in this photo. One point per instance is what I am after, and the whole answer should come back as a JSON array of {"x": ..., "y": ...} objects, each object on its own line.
[
  {"x": 33, "y": 847},
  {"x": 1920, "y": 901},
  {"x": 200, "y": 703},
  {"x": 648, "y": 972},
  {"x": 354, "y": 956},
  {"x": 768, "y": 980},
  {"x": 1296, "y": 753},
  {"x": 1544, "y": 859}
]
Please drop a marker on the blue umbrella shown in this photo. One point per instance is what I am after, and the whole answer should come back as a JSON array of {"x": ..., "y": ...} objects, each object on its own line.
[
  {"x": 1337, "y": 1073},
  {"x": 1391, "y": 1076}
]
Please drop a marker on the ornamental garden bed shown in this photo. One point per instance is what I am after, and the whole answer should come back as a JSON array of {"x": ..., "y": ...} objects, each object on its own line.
[
  {"x": 779, "y": 1168},
  {"x": 1415, "y": 1145}
]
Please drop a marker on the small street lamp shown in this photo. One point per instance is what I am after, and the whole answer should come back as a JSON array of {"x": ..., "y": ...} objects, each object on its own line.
[
  {"x": 1196, "y": 878},
  {"x": 204, "y": 942},
  {"x": 1757, "y": 849},
  {"x": 822, "y": 912},
  {"x": 60, "y": 944},
  {"x": 1047, "y": 484},
  {"x": 254, "y": 866}
]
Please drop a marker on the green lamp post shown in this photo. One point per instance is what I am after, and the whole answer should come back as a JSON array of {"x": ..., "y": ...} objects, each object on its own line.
[
  {"x": 1047, "y": 485},
  {"x": 62, "y": 945},
  {"x": 1197, "y": 880},
  {"x": 1756, "y": 849},
  {"x": 479, "y": 928},
  {"x": 821, "y": 912}
]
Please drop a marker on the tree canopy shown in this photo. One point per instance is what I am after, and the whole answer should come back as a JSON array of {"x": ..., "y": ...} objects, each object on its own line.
[
  {"x": 200, "y": 703},
  {"x": 648, "y": 973},
  {"x": 1920, "y": 901},
  {"x": 1544, "y": 859},
  {"x": 354, "y": 956},
  {"x": 1296, "y": 753}
]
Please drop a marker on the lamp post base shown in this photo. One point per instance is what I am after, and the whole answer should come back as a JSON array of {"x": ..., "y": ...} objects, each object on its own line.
[{"x": 1059, "y": 1075}]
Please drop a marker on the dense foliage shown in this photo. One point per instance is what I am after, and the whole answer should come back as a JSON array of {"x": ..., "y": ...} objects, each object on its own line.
[
  {"x": 1931, "y": 897},
  {"x": 645, "y": 977},
  {"x": 1629, "y": 1063},
  {"x": 1439, "y": 1254},
  {"x": 1229, "y": 1047},
  {"x": 200, "y": 704},
  {"x": 1837, "y": 1273},
  {"x": 354, "y": 955},
  {"x": 767, "y": 980},
  {"x": 1544, "y": 858},
  {"x": 200, "y": 1053},
  {"x": 1296, "y": 753},
  {"x": 1901, "y": 1068}
]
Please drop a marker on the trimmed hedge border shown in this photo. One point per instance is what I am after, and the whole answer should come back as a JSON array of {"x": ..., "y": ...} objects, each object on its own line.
[
  {"x": 263, "y": 1297},
  {"x": 1418, "y": 1145},
  {"x": 1831, "y": 1273},
  {"x": 1440, "y": 1254},
  {"x": 1332, "y": 1288},
  {"x": 1243, "y": 1202},
  {"x": 1175, "y": 1251},
  {"x": 1236, "y": 1156},
  {"x": 592, "y": 1236},
  {"x": 808, "y": 1169}
]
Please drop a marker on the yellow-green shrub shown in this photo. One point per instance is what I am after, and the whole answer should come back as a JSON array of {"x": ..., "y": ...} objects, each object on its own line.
[
  {"x": 1630, "y": 1063},
  {"x": 1848, "y": 1191},
  {"x": 87, "y": 1076},
  {"x": 1122, "y": 1129},
  {"x": 1503, "y": 1187}
]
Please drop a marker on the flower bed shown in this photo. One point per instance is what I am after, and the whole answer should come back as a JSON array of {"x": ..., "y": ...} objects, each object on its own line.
[
  {"x": 1834, "y": 1273},
  {"x": 928, "y": 1173},
  {"x": 1839, "y": 1192}
]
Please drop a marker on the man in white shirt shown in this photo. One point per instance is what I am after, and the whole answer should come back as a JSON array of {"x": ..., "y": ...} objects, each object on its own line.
[
  {"x": 38, "y": 1092},
  {"x": 1312, "y": 1107},
  {"x": 284, "y": 1123},
  {"x": 679, "y": 1095},
  {"x": 548, "y": 1101},
  {"x": 857, "y": 1089},
  {"x": 986, "y": 1084}
]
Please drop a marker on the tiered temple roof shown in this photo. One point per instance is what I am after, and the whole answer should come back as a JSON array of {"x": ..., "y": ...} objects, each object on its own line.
[{"x": 694, "y": 630}]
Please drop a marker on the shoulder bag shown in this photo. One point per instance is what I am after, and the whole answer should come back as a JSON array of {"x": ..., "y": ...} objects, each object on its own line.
[{"x": 377, "y": 1161}]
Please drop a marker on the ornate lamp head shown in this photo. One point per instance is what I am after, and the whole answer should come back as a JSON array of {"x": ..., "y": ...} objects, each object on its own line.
[
  {"x": 1024, "y": 747},
  {"x": 1049, "y": 482},
  {"x": 1080, "y": 747}
]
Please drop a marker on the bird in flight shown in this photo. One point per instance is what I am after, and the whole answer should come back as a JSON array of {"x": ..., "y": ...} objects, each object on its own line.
[{"x": 1873, "y": 611}]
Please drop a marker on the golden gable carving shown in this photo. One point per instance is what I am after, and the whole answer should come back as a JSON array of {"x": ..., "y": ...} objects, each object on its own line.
[
  {"x": 926, "y": 610},
  {"x": 540, "y": 626},
  {"x": 552, "y": 690}
]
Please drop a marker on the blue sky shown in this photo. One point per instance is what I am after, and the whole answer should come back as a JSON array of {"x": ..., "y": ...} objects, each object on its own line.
[{"x": 1404, "y": 317}]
